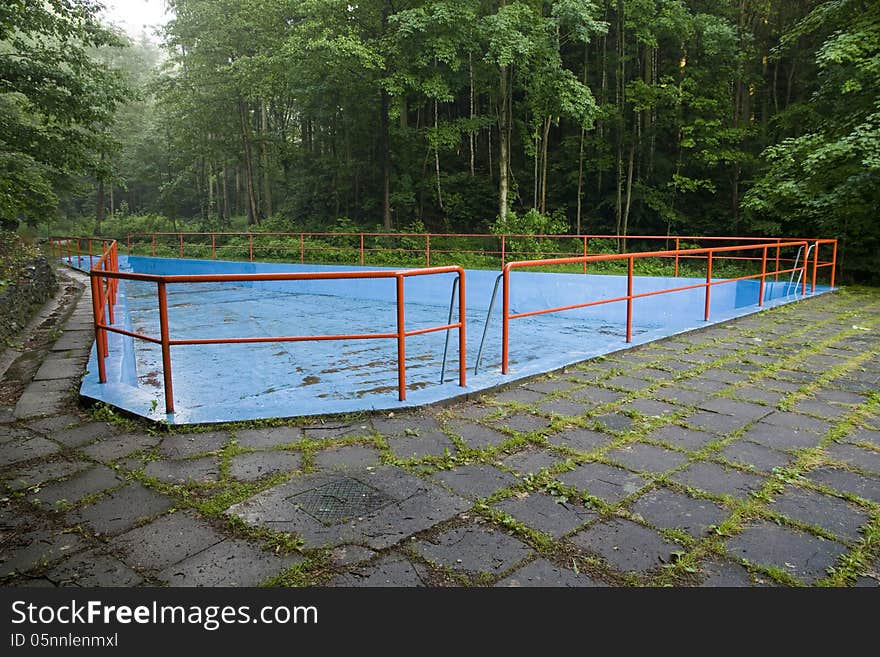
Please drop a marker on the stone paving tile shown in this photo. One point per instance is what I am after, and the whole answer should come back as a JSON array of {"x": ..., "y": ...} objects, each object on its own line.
[
  {"x": 529, "y": 461},
  {"x": 564, "y": 407},
  {"x": 603, "y": 481},
  {"x": 524, "y": 422},
  {"x": 830, "y": 513},
  {"x": 871, "y": 436},
  {"x": 650, "y": 407},
  {"x": 43, "y": 472},
  {"x": 390, "y": 570},
  {"x": 821, "y": 409},
  {"x": 858, "y": 457},
  {"x": 738, "y": 409},
  {"x": 93, "y": 568},
  {"x": 199, "y": 471},
  {"x": 347, "y": 555},
  {"x": 70, "y": 491},
  {"x": 667, "y": 509},
  {"x": 706, "y": 386},
  {"x": 627, "y": 383},
  {"x": 626, "y": 545},
  {"x": 542, "y": 572},
  {"x": 520, "y": 395},
  {"x": 53, "y": 423},
  {"x": 474, "y": 481},
  {"x": 715, "y": 422},
  {"x": 781, "y": 386},
  {"x": 36, "y": 403},
  {"x": 616, "y": 422},
  {"x": 412, "y": 425},
  {"x": 476, "y": 436},
  {"x": 409, "y": 447},
  {"x": 646, "y": 458},
  {"x": 797, "y": 421},
  {"x": 82, "y": 434},
  {"x": 728, "y": 574},
  {"x": 758, "y": 456},
  {"x": 714, "y": 478},
  {"x": 597, "y": 395},
  {"x": 650, "y": 374},
  {"x": 115, "y": 447},
  {"x": 350, "y": 457},
  {"x": 777, "y": 437},
  {"x": 267, "y": 438},
  {"x": 321, "y": 430},
  {"x": 166, "y": 541},
  {"x": 376, "y": 509},
  {"x": 232, "y": 562},
  {"x": 680, "y": 437},
  {"x": 15, "y": 451},
  {"x": 580, "y": 440},
  {"x": 9, "y": 432},
  {"x": 60, "y": 368},
  {"x": 27, "y": 551},
  {"x": 756, "y": 394},
  {"x": 801, "y": 555},
  {"x": 550, "y": 385},
  {"x": 189, "y": 444},
  {"x": 474, "y": 549},
  {"x": 839, "y": 396},
  {"x": 256, "y": 465},
  {"x": 470, "y": 411},
  {"x": 546, "y": 513},
  {"x": 122, "y": 510}
]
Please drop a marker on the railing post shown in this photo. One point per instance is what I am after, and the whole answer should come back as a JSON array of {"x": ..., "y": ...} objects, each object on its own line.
[
  {"x": 302, "y": 248},
  {"x": 251, "y": 246},
  {"x": 677, "y": 249},
  {"x": 401, "y": 342},
  {"x": 505, "y": 320},
  {"x": 586, "y": 252},
  {"x": 763, "y": 277},
  {"x": 69, "y": 256},
  {"x": 815, "y": 266},
  {"x": 708, "y": 284},
  {"x": 90, "y": 257},
  {"x": 629, "y": 298},
  {"x": 427, "y": 249},
  {"x": 166, "y": 347},
  {"x": 778, "y": 242},
  {"x": 462, "y": 341},
  {"x": 96, "y": 315},
  {"x": 180, "y": 239},
  {"x": 833, "y": 263},
  {"x": 503, "y": 249},
  {"x": 78, "y": 255},
  {"x": 213, "y": 247},
  {"x": 362, "y": 250}
]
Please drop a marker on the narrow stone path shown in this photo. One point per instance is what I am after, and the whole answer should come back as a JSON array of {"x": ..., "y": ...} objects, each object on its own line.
[{"x": 744, "y": 454}]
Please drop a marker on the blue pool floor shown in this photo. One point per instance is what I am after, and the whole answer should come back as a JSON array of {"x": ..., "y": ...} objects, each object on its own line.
[{"x": 229, "y": 382}]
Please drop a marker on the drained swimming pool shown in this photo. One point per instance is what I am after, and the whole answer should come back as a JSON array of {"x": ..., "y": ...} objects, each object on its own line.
[{"x": 240, "y": 381}]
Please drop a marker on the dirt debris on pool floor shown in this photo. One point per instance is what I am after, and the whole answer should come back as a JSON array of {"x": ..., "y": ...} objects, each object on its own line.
[{"x": 746, "y": 454}]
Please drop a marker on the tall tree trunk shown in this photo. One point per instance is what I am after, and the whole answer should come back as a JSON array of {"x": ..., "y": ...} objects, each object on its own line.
[
  {"x": 253, "y": 209},
  {"x": 629, "y": 184},
  {"x": 99, "y": 208},
  {"x": 472, "y": 113},
  {"x": 264, "y": 159},
  {"x": 537, "y": 170},
  {"x": 385, "y": 148},
  {"x": 545, "y": 140},
  {"x": 580, "y": 186},
  {"x": 437, "y": 158},
  {"x": 227, "y": 214},
  {"x": 504, "y": 141}
]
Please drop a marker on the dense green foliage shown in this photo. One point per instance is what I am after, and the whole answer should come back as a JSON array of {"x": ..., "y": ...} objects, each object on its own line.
[{"x": 687, "y": 117}]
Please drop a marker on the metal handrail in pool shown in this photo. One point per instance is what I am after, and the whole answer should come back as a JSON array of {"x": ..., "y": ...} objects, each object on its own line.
[
  {"x": 300, "y": 246},
  {"x": 630, "y": 296},
  {"x": 105, "y": 273}
]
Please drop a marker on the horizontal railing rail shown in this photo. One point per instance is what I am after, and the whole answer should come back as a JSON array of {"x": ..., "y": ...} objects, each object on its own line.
[
  {"x": 105, "y": 274},
  {"x": 710, "y": 254}
]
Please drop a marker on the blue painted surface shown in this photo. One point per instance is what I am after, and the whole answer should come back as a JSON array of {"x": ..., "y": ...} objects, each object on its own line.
[{"x": 217, "y": 383}]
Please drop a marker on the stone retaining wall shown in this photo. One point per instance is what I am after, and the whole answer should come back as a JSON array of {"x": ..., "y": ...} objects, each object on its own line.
[{"x": 23, "y": 297}]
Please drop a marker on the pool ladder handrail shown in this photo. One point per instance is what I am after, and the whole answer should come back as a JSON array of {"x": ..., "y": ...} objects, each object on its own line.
[
  {"x": 486, "y": 325},
  {"x": 455, "y": 283},
  {"x": 798, "y": 270}
]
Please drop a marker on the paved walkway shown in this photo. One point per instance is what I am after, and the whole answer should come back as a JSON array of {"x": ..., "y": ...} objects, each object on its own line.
[{"x": 746, "y": 454}]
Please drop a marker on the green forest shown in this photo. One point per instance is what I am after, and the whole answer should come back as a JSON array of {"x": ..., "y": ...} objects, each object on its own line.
[{"x": 653, "y": 117}]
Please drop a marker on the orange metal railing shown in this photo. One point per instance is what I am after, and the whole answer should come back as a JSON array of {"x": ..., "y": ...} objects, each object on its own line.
[
  {"x": 710, "y": 254},
  {"x": 105, "y": 276},
  {"x": 306, "y": 246}
]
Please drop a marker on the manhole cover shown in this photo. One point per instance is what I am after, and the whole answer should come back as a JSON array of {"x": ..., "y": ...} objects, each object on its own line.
[{"x": 340, "y": 500}]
